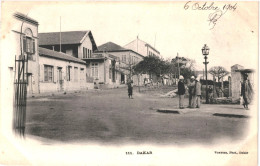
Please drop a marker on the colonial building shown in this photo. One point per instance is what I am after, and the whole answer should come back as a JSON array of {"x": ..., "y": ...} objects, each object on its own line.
[
  {"x": 61, "y": 72},
  {"x": 79, "y": 44},
  {"x": 25, "y": 42},
  {"x": 103, "y": 69},
  {"x": 142, "y": 48},
  {"x": 125, "y": 60}
]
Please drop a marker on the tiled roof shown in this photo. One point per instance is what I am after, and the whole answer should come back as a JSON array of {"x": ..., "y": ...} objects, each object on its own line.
[
  {"x": 110, "y": 46},
  {"x": 58, "y": 55}
]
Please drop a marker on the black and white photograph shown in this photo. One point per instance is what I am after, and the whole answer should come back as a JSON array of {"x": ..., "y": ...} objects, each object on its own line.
[{"x": 129, "y": 83}]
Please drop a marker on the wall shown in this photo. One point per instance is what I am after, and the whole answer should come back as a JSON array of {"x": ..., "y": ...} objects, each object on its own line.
[
  {"x": 236, "y": 79},
  {"x": 87, "y": 44},
  {"x": 54, "y": 86},
  {"x": 140, "y": 47},
  {"x": 32, "y": 64}
]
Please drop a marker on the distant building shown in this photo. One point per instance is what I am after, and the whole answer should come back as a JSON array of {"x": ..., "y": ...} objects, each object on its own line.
[
  {"x": 124, "y": 60},
  {"x": 142, "y": 48}
]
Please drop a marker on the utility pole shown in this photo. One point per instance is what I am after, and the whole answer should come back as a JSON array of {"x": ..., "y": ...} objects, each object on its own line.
[{"x": 60, "y": 33}]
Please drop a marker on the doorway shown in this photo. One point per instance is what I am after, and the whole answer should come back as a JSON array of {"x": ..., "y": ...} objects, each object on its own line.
[{"x": 60, "y": 80}]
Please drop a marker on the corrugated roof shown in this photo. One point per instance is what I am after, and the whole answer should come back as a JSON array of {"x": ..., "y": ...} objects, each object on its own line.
[
  {"x": 58, "y": 55},
  {"x": 110, "y": 46}
]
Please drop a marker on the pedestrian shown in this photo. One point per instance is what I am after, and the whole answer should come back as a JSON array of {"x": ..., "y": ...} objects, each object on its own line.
[
  {"x": 210, "y": 94},
  {"x": 130, "y": 89},
  {"x": 181, "y": 91},
  {"x": 246, "y": 91},
  {"x": 191, "y": 90},
  {"x": 197, "y": 92}
]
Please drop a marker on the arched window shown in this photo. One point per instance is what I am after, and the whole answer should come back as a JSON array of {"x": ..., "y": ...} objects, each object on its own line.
[{"x": 28, "y": 43}]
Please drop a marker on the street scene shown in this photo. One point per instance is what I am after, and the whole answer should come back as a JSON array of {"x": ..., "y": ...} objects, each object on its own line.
[
  {"x": 110, "y": 117},
  {"x": 160, "y": 74}
]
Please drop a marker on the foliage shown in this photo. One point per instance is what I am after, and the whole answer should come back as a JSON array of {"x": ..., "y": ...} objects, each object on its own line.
[
  {"x": 151, "y": 65},
  {"x": 161, "y": 68},
  {"x": 218, "y": 71}
]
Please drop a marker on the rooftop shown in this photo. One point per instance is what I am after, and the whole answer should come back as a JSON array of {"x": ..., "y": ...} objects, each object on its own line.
[
  {"x": 69, "y": 37},
  {"x": 24, "y": 17},
  {"x": 110, "y": 46},
  {"x": 58, "y": 55}
]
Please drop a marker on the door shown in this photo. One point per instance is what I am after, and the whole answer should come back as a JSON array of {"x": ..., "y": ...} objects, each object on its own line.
[
  {"x": 60, "y": 80},
  {"x": 82, "y": 78},
  {"x": 29, "y": 85}
]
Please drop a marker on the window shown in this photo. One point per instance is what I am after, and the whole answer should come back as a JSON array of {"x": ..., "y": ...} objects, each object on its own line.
[
  {"x": 123, "y": 58},
  {"x": 69, "y": 73},
  {"x": 48, "y": 73},
  {"x": 28, "y": 43},
  {"x": 94, "y": 70},
  {"x": 29, "y": 47},
  {"x": 86, "y": 53},
  {"x": 75, "y": 74}
]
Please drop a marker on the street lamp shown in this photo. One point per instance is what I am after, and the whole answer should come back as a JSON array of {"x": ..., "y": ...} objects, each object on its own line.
[{"x": 205, "y": 52}]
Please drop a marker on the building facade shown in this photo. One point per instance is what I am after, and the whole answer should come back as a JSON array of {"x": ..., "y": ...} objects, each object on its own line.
[
  {"x": 79, "y": 44},
  {"x": 25, "y": 42},
  {"x": 126, "y": 59},
  {"x": 142, "y": 48},
  {"x": 61, "y": 72}
]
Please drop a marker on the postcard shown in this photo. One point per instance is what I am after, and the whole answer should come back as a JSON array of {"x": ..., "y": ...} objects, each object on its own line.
[{"x": 129, "y": 83}]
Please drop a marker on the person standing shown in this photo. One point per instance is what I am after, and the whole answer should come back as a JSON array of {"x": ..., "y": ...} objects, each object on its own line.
[
  {"x": 181, "y": 91},
  {"x": 130, "y": 89},
  {"x": 210, "y": 90},
  {"x": 246, "y": 91},
  {"x": 191, "y": 86},
  {"x": 197, "y": 92}
]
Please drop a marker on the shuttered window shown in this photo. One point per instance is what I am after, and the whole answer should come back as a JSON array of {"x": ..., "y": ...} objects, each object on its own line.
[
  {"x": 94, "y": 70},
  {"x": 69, "y": 73},
  {"x": 48, "y": 73},
  {"x": 28, "y": 45},
  {"x": 76, "y": 74}
]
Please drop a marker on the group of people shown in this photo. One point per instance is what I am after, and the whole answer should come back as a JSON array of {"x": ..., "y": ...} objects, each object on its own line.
[{"x": 194, "y": 89}]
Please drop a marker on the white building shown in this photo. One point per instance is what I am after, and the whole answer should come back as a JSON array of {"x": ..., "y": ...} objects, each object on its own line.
[
  {"x": 142, "y": 48},
  {"x": 61, "y": 72}
]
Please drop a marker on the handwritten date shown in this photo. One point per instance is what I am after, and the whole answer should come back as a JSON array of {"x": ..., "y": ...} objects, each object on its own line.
[{"x": 218, "y": 11}]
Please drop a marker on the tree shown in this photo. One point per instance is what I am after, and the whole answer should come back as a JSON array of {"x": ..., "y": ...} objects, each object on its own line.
[
  {"x": 150, "y": 65},
  {"x": 183, "y": 65},
  {"x": 218, "y": 71}
]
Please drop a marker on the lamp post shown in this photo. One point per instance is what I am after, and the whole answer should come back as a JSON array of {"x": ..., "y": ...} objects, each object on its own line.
[{"x": 205, "y": 52}]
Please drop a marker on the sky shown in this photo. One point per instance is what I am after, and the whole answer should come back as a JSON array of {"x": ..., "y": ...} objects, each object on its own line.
[{"x": 172, "y": 27}]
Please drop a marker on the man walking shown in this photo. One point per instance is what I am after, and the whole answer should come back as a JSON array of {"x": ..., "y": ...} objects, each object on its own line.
[
  {"x": 181, "y": 91},
  {"x": 191, "y": 87}
]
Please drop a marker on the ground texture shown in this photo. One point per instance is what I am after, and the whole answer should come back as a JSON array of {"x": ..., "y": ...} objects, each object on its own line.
[{"x": 109, "y": 117}]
